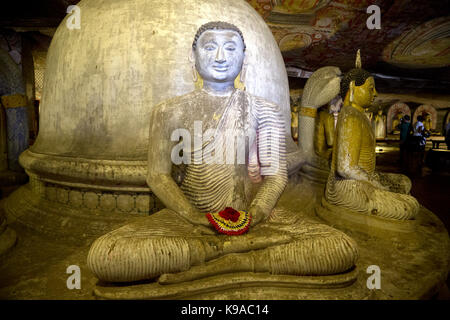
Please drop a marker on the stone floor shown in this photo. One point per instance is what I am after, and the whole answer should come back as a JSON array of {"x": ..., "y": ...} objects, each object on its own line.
[{"x": 36, "y": 267}]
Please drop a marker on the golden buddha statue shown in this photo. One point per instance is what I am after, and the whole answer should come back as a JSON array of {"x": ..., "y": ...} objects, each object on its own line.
[
  {"x": 178, "y": 244},
  {"x": 379, "y": 125},
  {"x": 396, "y": 122},
  {"x": 353, "y": 183},
  {"x": 325, "y": 127},
  {"x": 294, "y": 120},
  {"x": 428, "y": 123}
]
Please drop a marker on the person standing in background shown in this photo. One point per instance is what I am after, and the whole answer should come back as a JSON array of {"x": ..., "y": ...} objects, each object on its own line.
[
  {"x": 404, "y": 127},
  {"x": 447, "y": 135}
]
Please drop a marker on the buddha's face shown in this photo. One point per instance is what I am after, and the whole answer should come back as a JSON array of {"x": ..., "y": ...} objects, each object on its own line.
[
  {"x": 365, "y": 94},
  {"x": 219, "y": 55}
]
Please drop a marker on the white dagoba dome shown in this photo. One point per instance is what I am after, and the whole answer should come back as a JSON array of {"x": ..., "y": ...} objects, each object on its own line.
[{"x": 103, "y": 79}]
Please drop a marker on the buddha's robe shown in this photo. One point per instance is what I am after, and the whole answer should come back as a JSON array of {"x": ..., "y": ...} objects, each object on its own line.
[
  {"x": 354, "y": 150},
  {"x": 324, "y": 134},
  {"x": 167, "y": 243}
]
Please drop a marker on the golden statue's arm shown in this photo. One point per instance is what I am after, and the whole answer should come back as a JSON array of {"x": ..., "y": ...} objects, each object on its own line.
[
  {"x": 319, "y": 141},
  {"x": 348, "y": 148},
  {"x": 330, "y": 130},
  {"x": 324, "y": 135},
  {"x": 159, "y": 177}
]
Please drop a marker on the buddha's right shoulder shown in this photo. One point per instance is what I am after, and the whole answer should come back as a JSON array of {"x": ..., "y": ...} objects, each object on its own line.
[
  {"x": 350, "y": 112},
  {"x": 177, "y": 103}
]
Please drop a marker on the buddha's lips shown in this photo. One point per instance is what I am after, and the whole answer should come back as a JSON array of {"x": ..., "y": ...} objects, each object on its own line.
[{"x": 220, "y": 68}]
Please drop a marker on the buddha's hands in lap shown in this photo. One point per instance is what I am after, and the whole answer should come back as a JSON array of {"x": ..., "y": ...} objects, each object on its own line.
[
  {"x": 375, "y": 181},
  {"x": 200, "y": 222},
  {"x": 257, "y": 215}
]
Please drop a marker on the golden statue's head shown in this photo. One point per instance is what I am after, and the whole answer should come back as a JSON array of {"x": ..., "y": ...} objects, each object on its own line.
[{"x": 358, "y": 86}]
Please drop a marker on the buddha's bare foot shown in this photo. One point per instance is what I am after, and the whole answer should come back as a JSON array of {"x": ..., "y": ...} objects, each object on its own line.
[{"x": 226, "y": 264}]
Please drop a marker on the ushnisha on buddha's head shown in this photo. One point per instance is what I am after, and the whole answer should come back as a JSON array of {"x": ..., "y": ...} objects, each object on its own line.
[
  {"x": 219, "y": 52},
  {"x": 358, "y": 86}
]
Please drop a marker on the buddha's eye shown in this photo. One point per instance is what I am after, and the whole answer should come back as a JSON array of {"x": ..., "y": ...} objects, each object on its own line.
[
  {"x": 209, "y": 47},
  {"x": 230, "y": 48}
]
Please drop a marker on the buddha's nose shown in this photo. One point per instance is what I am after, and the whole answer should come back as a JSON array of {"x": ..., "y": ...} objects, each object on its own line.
[{"x": 220, "y": 56}]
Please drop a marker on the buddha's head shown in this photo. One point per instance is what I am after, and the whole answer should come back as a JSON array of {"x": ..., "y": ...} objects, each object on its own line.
[
  {"x": 358, "y": 87},
  {"x": 219, "y": 51},
  {"x": 380, "y": 112}
]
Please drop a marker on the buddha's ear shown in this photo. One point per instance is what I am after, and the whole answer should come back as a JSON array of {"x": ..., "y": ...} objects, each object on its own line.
[
  {"x": 244, "y": 67},
  {"x": 352, "y": 91},
  {"x": 191, "y": 58}
]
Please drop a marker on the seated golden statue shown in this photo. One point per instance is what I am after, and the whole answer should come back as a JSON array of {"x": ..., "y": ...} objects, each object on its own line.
[
  {"x": 396, "y": 123},
  {"x": 178, "y": 244},
  {"x": 428, "y": 123},
  {"x": 353, "y": 183}
]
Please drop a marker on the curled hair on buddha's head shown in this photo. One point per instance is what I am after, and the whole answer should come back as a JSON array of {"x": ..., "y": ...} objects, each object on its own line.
[
  {"x": 216, "y": 25},
  {"x": 358, "y": 75}
]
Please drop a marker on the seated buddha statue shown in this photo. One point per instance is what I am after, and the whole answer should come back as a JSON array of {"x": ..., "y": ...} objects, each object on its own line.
[
  {"x": 396, "y": 123},
  {"x": 178, "y": 244},
  {"x": 353, "y": 183},
  {"x": 428, "y": 123}
]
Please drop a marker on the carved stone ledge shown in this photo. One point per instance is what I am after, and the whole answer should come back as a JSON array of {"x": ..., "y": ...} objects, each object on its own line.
[
  {"x": 261, "y": 286},
  {"x": 89, "y": 171},
  {"x": 75, "y": 215}
]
